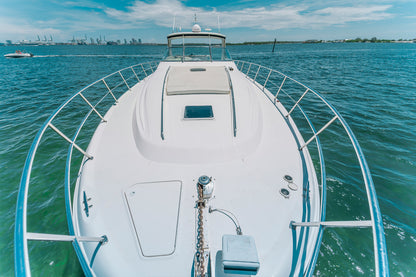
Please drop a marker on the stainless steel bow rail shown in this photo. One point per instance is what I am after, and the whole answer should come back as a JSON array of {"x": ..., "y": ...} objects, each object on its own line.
[
  {"x": 281, "y": 89},
  {"x": 99, "y": 96},
  {"x": 105, "y": 92}
]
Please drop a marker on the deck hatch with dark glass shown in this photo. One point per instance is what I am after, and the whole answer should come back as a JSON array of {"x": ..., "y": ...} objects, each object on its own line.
[{"x": 198, "y": 112}]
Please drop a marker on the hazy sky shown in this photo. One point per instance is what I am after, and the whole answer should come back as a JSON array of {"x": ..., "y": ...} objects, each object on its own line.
[{"x": 240, "y": 20}]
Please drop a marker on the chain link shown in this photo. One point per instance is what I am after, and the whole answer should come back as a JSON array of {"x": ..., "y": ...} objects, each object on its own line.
[{"x": 200, "y": 260}]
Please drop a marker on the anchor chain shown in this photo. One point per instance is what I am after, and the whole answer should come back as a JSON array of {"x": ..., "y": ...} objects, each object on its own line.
[{"x": 200, "y": 260}]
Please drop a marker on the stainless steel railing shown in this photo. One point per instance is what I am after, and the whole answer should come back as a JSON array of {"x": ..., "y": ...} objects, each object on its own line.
[
  {"x": 274, "y": 83},
  {"x": 112, "y": 84}
]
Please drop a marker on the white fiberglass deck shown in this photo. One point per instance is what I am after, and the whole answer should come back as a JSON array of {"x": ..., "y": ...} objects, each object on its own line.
[{"x": 143, "y": 188}]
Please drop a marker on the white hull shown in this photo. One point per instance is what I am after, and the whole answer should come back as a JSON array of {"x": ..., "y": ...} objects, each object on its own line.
[
  {"x": 198, "y": 169},
  {"x": 18, "y": 55},
  {"x": 158, "y": 238}
]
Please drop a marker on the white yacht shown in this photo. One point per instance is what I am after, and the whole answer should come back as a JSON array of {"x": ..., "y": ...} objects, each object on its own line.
[{"x": 198, "y": 169}]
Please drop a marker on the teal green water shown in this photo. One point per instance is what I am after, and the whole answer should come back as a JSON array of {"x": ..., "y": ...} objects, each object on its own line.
[{"x": 372, "y": 85}]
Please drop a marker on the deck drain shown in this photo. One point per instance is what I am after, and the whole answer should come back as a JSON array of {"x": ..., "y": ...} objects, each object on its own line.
[
  {"x": 284, "y": 192},
  {"x": 288, "y": 178}
]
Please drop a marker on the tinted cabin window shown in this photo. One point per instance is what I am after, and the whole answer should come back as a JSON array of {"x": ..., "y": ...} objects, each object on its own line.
[{"x": 198, "y": 112}]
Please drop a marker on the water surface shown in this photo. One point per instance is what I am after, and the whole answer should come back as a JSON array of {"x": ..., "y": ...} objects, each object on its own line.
[{"x": 372, "y": 85}]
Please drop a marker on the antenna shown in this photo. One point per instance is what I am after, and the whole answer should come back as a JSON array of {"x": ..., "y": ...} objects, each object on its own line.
[
  {"x": 194, "y": 18},
  {"x": 173, "y": 25},
  {"x": 218, "y": 21}
]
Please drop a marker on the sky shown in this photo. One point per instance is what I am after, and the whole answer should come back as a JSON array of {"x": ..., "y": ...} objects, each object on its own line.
[{"x": 239, "y": 20}]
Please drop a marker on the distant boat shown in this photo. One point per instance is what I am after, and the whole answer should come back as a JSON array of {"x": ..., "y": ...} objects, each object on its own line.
[{"x": 19, "y": 54}]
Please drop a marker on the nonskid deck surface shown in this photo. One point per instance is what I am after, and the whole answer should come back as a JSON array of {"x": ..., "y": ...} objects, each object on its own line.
[{"x": 145, "y": 203}]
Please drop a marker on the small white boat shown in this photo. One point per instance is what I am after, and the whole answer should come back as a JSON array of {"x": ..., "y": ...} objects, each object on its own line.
[
  {"x": 199, "y": 168},
  {"x": 19, "y": 54}
]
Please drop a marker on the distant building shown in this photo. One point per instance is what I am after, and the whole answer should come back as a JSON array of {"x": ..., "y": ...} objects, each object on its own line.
[{"x": 135, "y": 42}]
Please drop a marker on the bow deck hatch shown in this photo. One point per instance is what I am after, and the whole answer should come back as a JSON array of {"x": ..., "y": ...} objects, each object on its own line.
[{"x": 154, "y": 211}]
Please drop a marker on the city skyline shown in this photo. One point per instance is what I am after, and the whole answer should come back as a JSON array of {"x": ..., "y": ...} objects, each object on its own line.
[{"x": 241, "y": 20}]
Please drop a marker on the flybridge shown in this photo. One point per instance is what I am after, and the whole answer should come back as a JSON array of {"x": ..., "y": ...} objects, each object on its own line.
[{"x": 196, "y": 46}]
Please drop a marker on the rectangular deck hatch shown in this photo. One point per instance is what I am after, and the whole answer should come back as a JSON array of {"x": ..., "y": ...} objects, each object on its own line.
[
  {"x": 154, "y": 211},
  {"x": 198, "y": 112}
]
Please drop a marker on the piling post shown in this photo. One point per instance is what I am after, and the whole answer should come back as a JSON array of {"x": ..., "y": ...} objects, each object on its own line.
[{"x": 274, "y": 44}]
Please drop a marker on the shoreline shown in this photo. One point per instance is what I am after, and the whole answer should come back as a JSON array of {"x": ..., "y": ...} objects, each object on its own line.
[{"x": 357, "y": 40}]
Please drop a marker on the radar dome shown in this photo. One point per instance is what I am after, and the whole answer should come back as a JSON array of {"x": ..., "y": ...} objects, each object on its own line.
[{"x": 196, "y": 28}]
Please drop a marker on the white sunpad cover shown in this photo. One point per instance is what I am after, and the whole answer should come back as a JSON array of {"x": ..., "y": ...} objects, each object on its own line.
[{"x": 197, "y": 80}]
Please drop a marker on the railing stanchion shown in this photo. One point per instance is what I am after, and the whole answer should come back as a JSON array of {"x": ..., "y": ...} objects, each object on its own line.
[
  {"x": 333, "y": 224},
  {"x": 281, "y": 85},
  {"x": 242, "y": 65},
  {"x": 69, "y": 140},
  {"x": 55, "y": 237},
  {"x": 144, "y": 70},
  {"x": 92, "y": 107},
  {"x": 122, "y": 77},
  {"x": 134, "y": 72},
  {"x": 248, "y": 70},
  {"x": 258, "y": 69},
  {"x": 294, "y": 106},
  {"x": 320, "y": 131},
  {"x": 101, "y": 243},
  {"x": 105, "y": 83},
  {"x": 267, "y": 79}
]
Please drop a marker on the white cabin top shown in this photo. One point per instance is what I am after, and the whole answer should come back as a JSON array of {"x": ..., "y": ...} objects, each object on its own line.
[
  {"x": 197, "y": 105},
  {"x": 196, "y": 46},
  {"x": 189, "y": 110}
]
